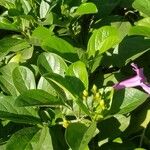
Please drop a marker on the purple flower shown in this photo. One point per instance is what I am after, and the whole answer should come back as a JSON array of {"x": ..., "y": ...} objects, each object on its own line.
[{"x": 138, "y": 80}]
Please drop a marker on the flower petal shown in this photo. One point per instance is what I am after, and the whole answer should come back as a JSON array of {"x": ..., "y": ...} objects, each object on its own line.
[
  {"x": 146, "y": 87},
  {"x": 131, "y": 82},
  {"x": 139, "y": 72},
  {"x": 138, "y": 80}
]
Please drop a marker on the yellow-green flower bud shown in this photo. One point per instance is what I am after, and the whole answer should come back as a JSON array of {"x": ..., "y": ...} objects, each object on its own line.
[
  {"x": 85, "y": 93},
  {"x": 97, "y": 96},
  {"x": 98, "y": 117},
  {"x": 65, "y": 123},
  {"x": 102, "y": 104},
  {"x": 94, "y": 88},
  {"x": 16, "y": 58},
  {"x": 84, "y": 98}
]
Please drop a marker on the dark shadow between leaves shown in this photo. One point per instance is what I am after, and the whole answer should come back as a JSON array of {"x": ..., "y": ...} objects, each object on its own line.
[
  {"x": 58, "y": 137},
  {"x": 117, "y": 102},
  {"x": 130, "y": 48},
  {"x": 108, "y": 129},
  {"x": 138, "y": 117},
  {"x": 71, "y": 57}
]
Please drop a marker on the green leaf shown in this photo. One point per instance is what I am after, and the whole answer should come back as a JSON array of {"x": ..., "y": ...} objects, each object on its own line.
[
  {"x": 128, "y": 50},
  {"x": 26, "y": 54},
  {"x": 8, "y": 3},
  {"x": 140, "y": 30},
  {"x": 44, "y": 8},
  {"x": 60, "y": 47},
  {"x": 13, "y": 46},
  {"x": 3, "y": 147},
  {"x": 78, "y": 69},
  {"x": 50, "y": 62},
  {"x": 144, "y": 22},
  {"x": 7, "y": 25},
  {"x": 23, "y": 79},
  {"x": 40, "y": 34},
  {"x": 72, "y": 86},
  {"x": 102, "y": 39},
  {"x": 43, "y": 37},
  {"x": 86, "y": 8},
  {"x": 43, "y": 84},
  {"x": 114, "y": 126},
  {"x": 37, "y": 97},
  {"x": 6, "y": 80},
  {"x": 9, "y": 111},
  {"x": 31, "y": 138},
  {"x": 142, "y": 5},
  {"x": 123, "y": 27},
  {"x": 22, "y": 56},
  {"x": 81, "y": 134},
  {"x": 125, "y": 101},
  {"x": 95, "y": 63},
  {"x": 26, "y": 6}
]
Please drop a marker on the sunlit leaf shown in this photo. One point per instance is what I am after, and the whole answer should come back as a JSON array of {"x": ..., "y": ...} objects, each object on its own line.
[
  {"x": 50, "y": 62},
  {"x": 38, "y": 98},
  {"x": 86, "y": 8},
  {"x": 81, "y": 133},
  {"x": 78, "y": 69},
  {"x": 31, "y": 138},
  {"x": 102, "y": 40},
  {"x": 23, "y": 79},
  {"x": 9, "y": 111}
]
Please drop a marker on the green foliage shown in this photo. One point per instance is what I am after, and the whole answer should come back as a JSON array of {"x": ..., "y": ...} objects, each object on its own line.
[
  {"x": 102, "y": 40},
  {"x": 59, "y": 60},
  {"x": 85, "y": 8}
]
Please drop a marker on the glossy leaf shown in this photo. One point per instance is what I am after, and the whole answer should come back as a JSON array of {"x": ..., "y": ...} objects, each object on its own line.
[
  {"x": 7, "y": 25},
  {"x": 81, "y": 134},
  {"x": 9, "y": 111},
  {"x": 72, "y": 86},
  {"x": 43, "y": 84},
  {"x": 30, "y": 138},
  {"x": 143, "y": 6},
  {"x": 144, "y": 22},
  {"x": 102, "y": 40},
  {"x": 60, "y": 47},
  {"x": 37, "y": 97},
  {"x": 44, "y": 8},
  {"x": 78, "y": 69},
  {"x": 26, "y": 6},
  {"x": 129, "y": 49},
  {"x": 13, "y": 46},
  {"x": 43, "y": 37},
  {"x": 125, "y": 101},
  {"x": 8, "y": 3},
  {"x": 39, "y": 35},
  {"x": 23, "y": 79},
  {"x": 140, "y": 30},
  {"x": 22, "y": 56},
  {"x": 6, "y": 80},
  {"x": 123, "y": 27},
  {"x": 50, "y": 62},
  {"x": 86, "y": 8}
]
